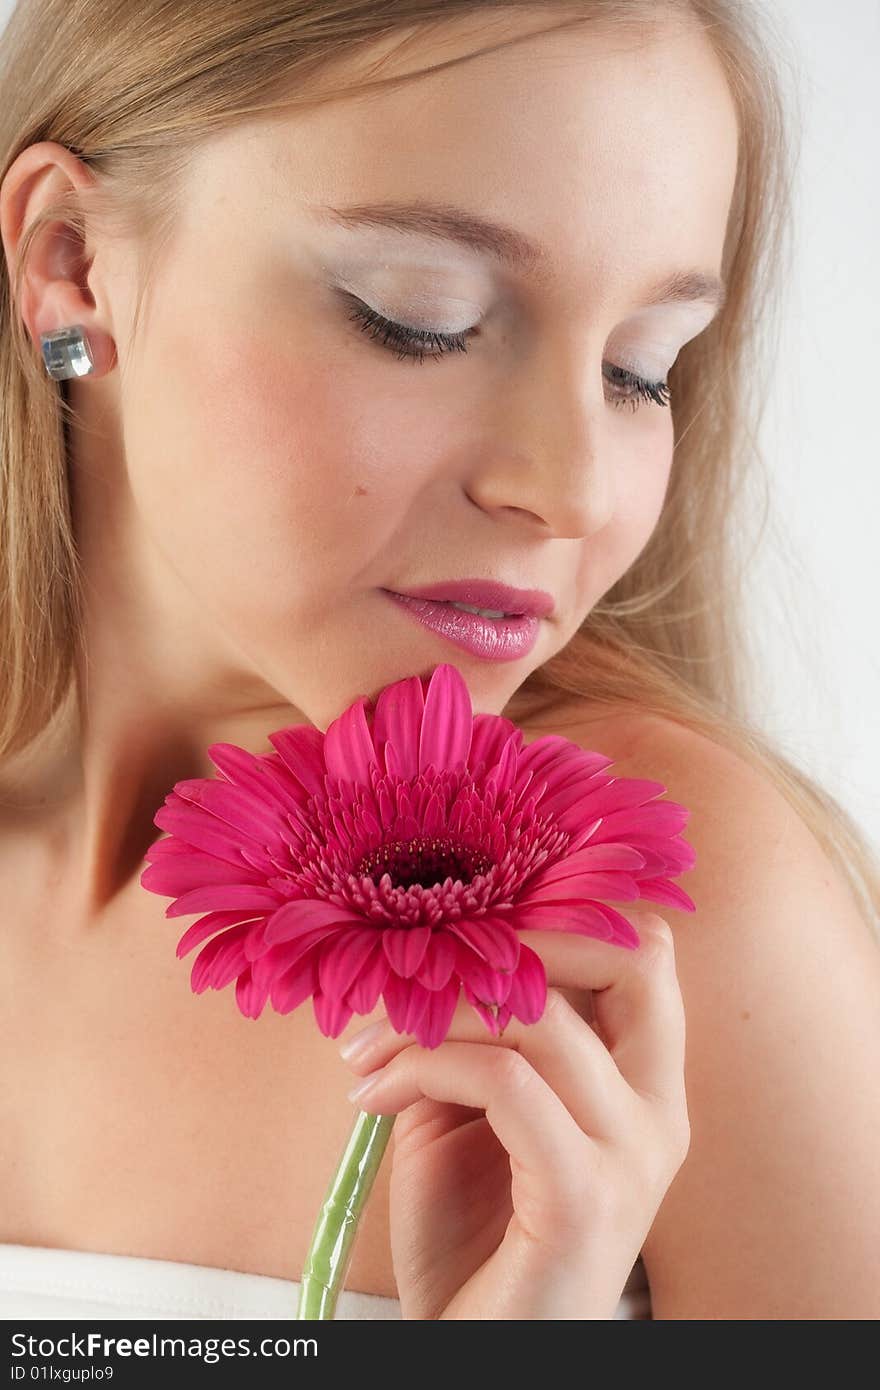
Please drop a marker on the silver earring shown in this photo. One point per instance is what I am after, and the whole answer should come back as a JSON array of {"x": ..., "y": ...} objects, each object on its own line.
[{"x": 66, "y": 353}]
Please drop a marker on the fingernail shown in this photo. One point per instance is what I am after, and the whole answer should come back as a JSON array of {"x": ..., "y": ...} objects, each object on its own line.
[
  {"x": 365, "y": 1083},
  {"x": 359, "y": 1042}
]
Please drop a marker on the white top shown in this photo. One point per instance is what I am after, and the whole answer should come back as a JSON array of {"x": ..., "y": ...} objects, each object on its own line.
[{"x": 40, "y": 1282}]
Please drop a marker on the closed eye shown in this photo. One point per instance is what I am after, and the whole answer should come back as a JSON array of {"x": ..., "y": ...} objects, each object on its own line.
[{"x": 419, "y": 344}]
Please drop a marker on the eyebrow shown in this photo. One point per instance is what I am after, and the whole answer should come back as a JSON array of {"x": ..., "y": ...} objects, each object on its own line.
[{"x": 505, "y": 244}]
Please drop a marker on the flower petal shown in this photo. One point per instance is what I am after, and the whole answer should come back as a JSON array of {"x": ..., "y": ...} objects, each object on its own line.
[
  {"x": 398, "y": 720},
  {"x": 590, "y": 859},
  {"x": 490, "y": 986},
  {"x": 364, "y": 993},
  {"x": 264, "y": 775},
  {"x": 192, "y": 830},
  {"x": 207, "y": 926},
  {"x": 620, "y": 887},
  {"x": 288, "y": 990},
  {"x": 250, "y": 998},
  {"x": 342, "y": 959},
  {"x": 558, "y": 761},
  {"x": 304, "y": 914},
  {"x": 439, "y": 961},
  {"x": 447, "y": 721},
  {"x": 285, "y": 953},
  {"x": 489, "y": 734},
  {"x": 220, "y": 961},
  {"x": 621, "y": 792},
  {"x": 571, "y": 804},
  {"x": 301, "y": 749},
  {"x": 433, "y": 1026},
  {"x": 255, "y": 943},
  {"x": 584, "y": 918},
  {"x": 492, "y": 937},
  {"x": 654, "y": 818},
  {"x": 257, "y": 817},
  {"x": 348, "y": 746},
  {"x": 405, "y": 948},
  {"x": 487, "y": 1015},
  {"x": 273, "y": 962},
  {"x": 527, "y": 996},
  {"x": 249, "y": 897},
  {"x": 332, "y": 1014},
  {"x": 257, "y": 773},
  {"x": 656, "y": 865},
  {"x": 661, "y": 890},
  {"x": 179, "y": 873},
  {"x": 664, "y": 856},
  {"x": 680, "y": 855},
  {"x": 405, "y": 1001},
  {"x": 503, "y": 774}
]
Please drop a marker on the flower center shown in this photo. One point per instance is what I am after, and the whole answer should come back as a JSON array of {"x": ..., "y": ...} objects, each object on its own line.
[{"x": 425, "y": 861}]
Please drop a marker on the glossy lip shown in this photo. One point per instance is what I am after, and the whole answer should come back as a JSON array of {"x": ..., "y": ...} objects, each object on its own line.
[
  {"x": 485, "y": 593},
  {"x": 492, "y": 639}
]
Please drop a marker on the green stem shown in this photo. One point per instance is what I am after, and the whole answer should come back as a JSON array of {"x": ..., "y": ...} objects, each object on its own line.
[{"x": 330, "y": 1252}]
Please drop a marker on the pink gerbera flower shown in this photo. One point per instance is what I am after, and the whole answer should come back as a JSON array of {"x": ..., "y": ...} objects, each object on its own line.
[{"x": 399, "y": 857}]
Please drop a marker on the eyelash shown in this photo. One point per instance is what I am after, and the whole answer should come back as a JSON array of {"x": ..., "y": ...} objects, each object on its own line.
[{"x": 417, "y": 344}]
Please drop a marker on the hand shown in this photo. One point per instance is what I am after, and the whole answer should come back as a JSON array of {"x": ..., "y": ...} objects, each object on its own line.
[{"x": 527, "y": 1169}]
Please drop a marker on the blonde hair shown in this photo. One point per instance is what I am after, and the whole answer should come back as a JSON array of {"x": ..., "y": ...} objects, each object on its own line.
[{"x": 132, "y": 86}]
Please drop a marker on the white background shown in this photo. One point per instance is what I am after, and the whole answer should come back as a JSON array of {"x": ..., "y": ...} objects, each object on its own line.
[{"x": 813, "y": 587}]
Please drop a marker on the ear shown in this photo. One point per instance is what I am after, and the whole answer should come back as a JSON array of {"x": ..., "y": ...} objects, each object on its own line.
[{"x": 55, "y": 291}]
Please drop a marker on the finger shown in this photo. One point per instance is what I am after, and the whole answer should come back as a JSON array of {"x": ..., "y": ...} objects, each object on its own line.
[
  {"x": 574, "y": 963},
  {"x": 527, "y": 1116},
  {"x": 635, "y": 998},
  {"x": 642, "y": 1019},
  {"x": 560, "y": 1046}
]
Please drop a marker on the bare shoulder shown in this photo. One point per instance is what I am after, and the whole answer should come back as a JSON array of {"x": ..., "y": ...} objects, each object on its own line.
[
  {"x": 736, "y": 806},
  {"x": 627, "y": 734},
  {"x": 775, "y": 966},
  {"x": 751, "y": 842},
  {"x": 695, "y": 769}
]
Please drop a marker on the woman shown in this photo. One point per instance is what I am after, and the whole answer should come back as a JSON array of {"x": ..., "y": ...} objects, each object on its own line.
[{"x": 236, "y": 240}]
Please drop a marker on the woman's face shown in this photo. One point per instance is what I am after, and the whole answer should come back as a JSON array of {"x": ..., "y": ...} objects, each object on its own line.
[{"x": 283, "y": 467}]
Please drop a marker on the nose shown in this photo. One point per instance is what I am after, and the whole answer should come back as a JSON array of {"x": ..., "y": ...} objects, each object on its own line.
[{"x": 543, "y": 456}]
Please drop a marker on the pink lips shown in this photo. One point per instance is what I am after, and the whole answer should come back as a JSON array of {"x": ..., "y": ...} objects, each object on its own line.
[
  {"x": 486, "y": 593},
  {"x": 493, "y": 639}
]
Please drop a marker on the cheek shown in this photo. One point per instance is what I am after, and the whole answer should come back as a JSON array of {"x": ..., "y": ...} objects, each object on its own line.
[
  {"x": 643, "y": 480},
  {"x": 248, "y": 467},
  {"x": 640, "y": 464}
]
